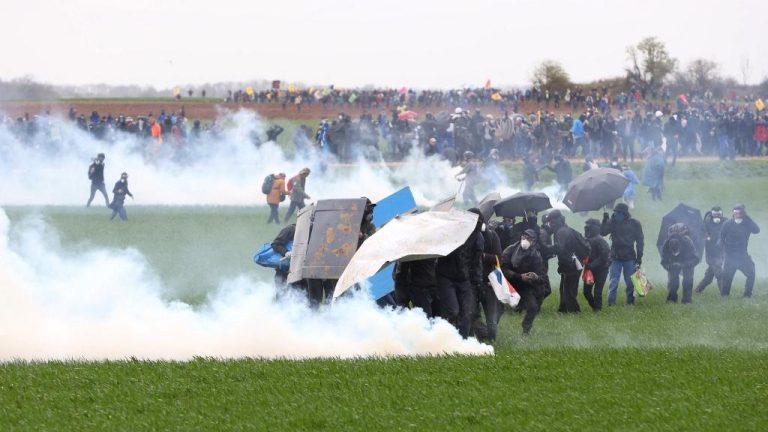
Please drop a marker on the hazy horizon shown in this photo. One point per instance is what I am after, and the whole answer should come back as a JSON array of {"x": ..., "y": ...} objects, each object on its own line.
[{"x": 427, "y": 44}]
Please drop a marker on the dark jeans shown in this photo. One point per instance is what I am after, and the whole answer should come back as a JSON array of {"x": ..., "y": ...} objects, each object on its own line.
[
  {"x": 273, "y": 215},
  {"x": 714, "y": 272},
  {"x": 569, "y": 290},
  {"x": 457, "y": 303},
  {"x": 295, "y": 205},
  {"x": 615, "y": 270},
  {"x": 746, "y": 266},
  {"x": 529, "y": 302},
  {"x": 492, "y": 309},
  {"x": 101, "y": 188},
  {"x": 118, "y": 209},
  {"x": 673, "y": 283},
  {"x": 594, "y": 293}
]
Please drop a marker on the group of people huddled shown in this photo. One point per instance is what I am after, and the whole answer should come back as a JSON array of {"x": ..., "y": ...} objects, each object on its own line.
[{"x": 456, "y": 287}]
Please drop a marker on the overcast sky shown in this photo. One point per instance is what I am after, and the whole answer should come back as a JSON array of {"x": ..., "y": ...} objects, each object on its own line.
[{"x": 421, "y": 43}]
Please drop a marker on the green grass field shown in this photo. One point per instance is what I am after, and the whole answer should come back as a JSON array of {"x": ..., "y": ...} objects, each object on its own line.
[{"x": 649, "y": 367}]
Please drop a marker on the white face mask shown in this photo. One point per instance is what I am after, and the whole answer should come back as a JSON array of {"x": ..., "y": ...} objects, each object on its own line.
[
  {"x": 738, "y": 220},
  {"x": 525, "y": 244},
  {"x": 482, "y": 228},
  {"x": 716, "y": 220}
]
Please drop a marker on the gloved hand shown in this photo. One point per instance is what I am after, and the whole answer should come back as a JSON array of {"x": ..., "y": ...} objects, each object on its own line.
[
  {"x": 287, "y": 254},
  {"x": 530, "y": 277},
  {"x": 638, "y": 263}
]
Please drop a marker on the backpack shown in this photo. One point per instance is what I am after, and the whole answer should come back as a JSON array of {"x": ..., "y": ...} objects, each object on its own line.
[
  {"x": 266, "y": 187},
  {"x": 581, "y": 245},
  {"x": 90, "y": 172}
]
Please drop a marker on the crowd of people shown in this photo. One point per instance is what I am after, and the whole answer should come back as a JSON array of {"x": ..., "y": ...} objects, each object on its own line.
[{"x": 456, "y": 287}]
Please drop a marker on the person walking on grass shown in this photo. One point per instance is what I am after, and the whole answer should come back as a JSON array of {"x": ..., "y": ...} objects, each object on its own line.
[
  {"x": 627, "y": 244},
  {"x": 118, "y": 200},
  {"x": 679, "y": 257},
  {"x": 598, "y": 262},
  {"x": 275, "y": 196},
  {"x": 734, "y": 239},
  {"x": 297, "y": 188},
  {"x": 96, "y": 176}
]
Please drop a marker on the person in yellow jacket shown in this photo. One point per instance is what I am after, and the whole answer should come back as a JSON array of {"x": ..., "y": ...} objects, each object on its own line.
[{"x": 275, "y": 197}]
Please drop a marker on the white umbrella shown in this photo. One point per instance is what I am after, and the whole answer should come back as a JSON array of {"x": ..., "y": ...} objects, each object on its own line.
[{"x": 408, "y": 238}]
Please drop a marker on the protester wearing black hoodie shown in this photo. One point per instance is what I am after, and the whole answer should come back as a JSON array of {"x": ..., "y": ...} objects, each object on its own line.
[
  {"x": 734, "y": 239},
  {"x": 713, "y": 251},
  {"x": 679, "y": 257},
  {"x": 486, "y": 297},
  {"x": 96, "y": 175},
  {"x": 416, "y": 282},
  {"x": 571, "y": 249},
  {"x": 280, "y": 245},
  {"x": 459, "y": 276},
  {"x": 627, "y": 244},
  {"x": 599, "y": 260},
  {"x": 118, "y": 201},
  {"x": 523, "y": 267}
]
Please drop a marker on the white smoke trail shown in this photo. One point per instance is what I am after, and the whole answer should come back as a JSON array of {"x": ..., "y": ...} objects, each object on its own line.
[{"x": 106, "y": 304}]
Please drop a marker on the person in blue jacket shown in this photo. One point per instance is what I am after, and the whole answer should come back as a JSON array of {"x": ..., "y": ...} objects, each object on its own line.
[{"x": 630, "y": 192}]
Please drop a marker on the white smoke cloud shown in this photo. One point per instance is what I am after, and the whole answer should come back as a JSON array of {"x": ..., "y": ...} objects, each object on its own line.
[{"x": 107, "y": 304}]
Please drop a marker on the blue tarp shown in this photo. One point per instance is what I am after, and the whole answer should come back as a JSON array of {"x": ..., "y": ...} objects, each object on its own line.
[{"x": 267, "y": 257}]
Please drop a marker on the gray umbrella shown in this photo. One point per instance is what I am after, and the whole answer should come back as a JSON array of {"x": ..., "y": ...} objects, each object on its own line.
[
  {"x": 486, "y": 204},
  {"x": 594, "y": 189},
  {"x": 517, "y": 204}
]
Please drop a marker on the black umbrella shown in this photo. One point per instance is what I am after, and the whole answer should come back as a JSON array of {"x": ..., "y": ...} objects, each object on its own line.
[
  {"x": 689, "y": 216},
  {"x": 486, "y": 204},
  {"x": 595, "y": 188},
  {"x": 519, "y": 203}
]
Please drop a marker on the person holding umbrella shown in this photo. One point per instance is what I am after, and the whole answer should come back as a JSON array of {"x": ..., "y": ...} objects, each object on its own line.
[
  {"x": 627, "y": 244},
  {"x": 679, "y": 257}
]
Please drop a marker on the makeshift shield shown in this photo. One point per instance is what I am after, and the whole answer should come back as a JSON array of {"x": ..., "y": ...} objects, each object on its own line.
[
  {"x": 503, "y": 289},
  {"x": 332, "y": 232}
]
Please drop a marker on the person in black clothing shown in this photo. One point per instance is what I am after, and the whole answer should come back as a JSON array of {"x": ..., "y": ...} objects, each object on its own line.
[
  {"x": 627, "y": 245},
  {"x": 679, "y": 257},
  {"x": 571, "y": 249},
  {"x": 280, "y": 245},
  {"x": 486, "y": 297},
  {"x": 416, "y": 282},
  {"x": 504, "y": 230},
  {"x": 713, "y": 251},
  {"x": 523, "y": 267},
  {"x": 530, "y": 174},
  {"x": 734, "y": 238},
  {"x": 96, "y": 175},
  {"x": 118, "y": 200},
  {"x": 458, "y": 275},
  {"x": 563, "y": 173},
  {"x": 273, "y": 132},
  {"x": 529, "y": 221},
  {"x": 599, "y": 259}
]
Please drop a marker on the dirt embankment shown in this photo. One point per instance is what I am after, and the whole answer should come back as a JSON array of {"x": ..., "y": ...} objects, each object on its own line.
[{"x": 208, "y": 110}]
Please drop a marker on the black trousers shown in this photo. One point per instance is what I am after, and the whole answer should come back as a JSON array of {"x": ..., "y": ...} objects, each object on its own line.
[
  {"x": 492, "y": 310},
  {"x": 457, "y": 303},
  {"x": 594, "y": 293},
  {"x": 273, "y": 215},
  {"x": 529, "y": 303},
  {"x": 745, "y": 265},
  {"x": 673, "y": 283},
  {"x": 714, "y": 272},
  {"x": 423, "y": 297},
  {"x": 319, "y": 289},
  {"x": 569, "y": 290}
]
